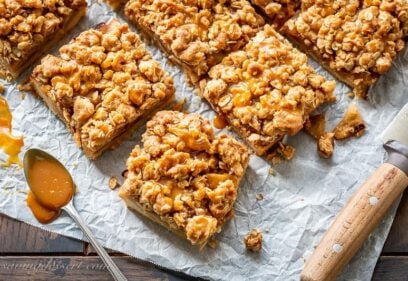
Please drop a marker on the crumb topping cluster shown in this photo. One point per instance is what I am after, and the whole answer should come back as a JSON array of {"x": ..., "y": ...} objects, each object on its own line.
[
  {"x": 253, "y": 240},
  {"x": 355, "y": 37},
  {"x": 26, "y": 24},
  {"x": 278, "y": 10},
  {"x": 197, "y": 33},
  {"x": 185, "y": 174},
  {"x": 266, "y": 90},
  {"x": 103, "y": 80}
]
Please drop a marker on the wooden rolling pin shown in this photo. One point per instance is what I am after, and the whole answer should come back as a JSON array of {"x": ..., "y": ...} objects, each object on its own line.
[{"x": 359, "y": 217}]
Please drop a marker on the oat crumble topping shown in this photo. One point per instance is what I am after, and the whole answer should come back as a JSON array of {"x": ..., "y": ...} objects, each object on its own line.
[
  {"x": 278, "y": 10},
  {"x": 185, "y": 175},
  {"x": 101, "y": 84},
  {"x": 266, "y": 90},
  {"x": 27, "y": 24},
  {"x": 356, "y": 40},
  {"x": 196, "y": 34},
  {"x": 253, "y": 240}
]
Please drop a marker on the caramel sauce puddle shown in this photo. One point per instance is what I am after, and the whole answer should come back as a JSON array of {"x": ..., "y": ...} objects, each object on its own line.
[{"x": 11, "y": 145}]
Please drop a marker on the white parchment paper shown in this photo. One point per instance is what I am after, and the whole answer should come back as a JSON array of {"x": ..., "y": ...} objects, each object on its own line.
[{"x": 299, "y": 202}]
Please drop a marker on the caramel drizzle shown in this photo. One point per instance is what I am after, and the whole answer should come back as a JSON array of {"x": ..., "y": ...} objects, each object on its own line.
[{"x": 11, "y": 145}]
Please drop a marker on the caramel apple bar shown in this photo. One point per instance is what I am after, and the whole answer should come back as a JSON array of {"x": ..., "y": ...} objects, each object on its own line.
[
  {"x": 30, "y": 27},
  {"x": 266, "y": 90},
  {"x": 184, "y": 177},
  {"x": 279, "y": 11},
  {"x": 102, "y": 84},
  {"x": 355, "y": 40},
  {"x": 195, "y": 34}
]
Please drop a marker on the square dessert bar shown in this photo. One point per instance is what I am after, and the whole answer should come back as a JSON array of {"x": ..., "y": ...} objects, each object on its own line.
[
  {"x": 30, "y": 27},
  {"x": 195, "y": 34},
  {"x": 266, "y": 90},
  {"x": 279, "y": 11},
  {"x": 103, "y": 84},
  {"x": 355, "y": 40},
  {"x": 184, "y": 177}
]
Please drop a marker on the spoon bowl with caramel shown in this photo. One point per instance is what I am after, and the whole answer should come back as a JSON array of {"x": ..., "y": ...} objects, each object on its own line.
[{"x": 52, "y": 189}]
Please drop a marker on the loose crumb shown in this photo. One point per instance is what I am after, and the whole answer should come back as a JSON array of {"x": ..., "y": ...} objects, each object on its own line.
[
  {"x": 325, "y": 145},
  {"x": 271, "y": 171},
  {"x": 179, "y": 105},
  {"x": 75, "y": 164},
  {"x": 274, "y": 159},
  {"x": 259, "y": 197},
  {"x": 267, "y": 230},
  {"x": 351, "y": 95},
  {"x": 253, "y": 240},
  {"x": 316, "y": 127},
  {"x": 279, "y": 152},
  {"x": 286, "y": 151},
  {"x": 212, "y": 244},
  {"x": 352, "y": 124},
  {"x": 25, "y": 86},
  {"x": 113, "y": 182}
]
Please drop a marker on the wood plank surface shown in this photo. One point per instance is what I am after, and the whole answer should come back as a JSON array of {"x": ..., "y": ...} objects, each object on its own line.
[
  {"x": 391, "y": 268},
  {"x": 17, "y": 237},
  {"x": 27, "y": 268},
  {"x": 397, "y": 241},
  {"x": 19, "y": 240}
]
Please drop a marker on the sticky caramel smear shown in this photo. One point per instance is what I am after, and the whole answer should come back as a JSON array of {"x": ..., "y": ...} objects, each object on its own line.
[
  {"x": 50, "y": 183},
  {"x": 11, "y": 145},
  {"x": 41, "y": 213},
  {"x": 220, "y": 122}
]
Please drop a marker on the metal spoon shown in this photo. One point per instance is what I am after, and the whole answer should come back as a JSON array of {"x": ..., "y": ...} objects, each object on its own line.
[{"x": 117, "y": 275}]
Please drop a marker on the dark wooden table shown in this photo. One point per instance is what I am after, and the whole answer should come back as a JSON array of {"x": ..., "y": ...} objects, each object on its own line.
[{"x": 27, "y": 253}]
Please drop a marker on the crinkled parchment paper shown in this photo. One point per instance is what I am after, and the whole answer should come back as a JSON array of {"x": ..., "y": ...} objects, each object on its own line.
[{"x": 299, "y": 201}]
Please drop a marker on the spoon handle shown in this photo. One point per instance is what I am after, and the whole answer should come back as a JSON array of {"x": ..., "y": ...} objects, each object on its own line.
[{"x": 107, "y": 260}]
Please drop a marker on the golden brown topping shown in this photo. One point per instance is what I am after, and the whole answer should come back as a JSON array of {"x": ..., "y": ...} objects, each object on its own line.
[
  {"x": 185, "y": 174},
  {"x": 103, "y": 81},
  {"x": 27, "y": 24},
  {"x": 196, "y": 33},
  {"x": 356, "y": 39},
  {"x": 253, "y": 240},
  {"x": 1, "y": 88},
  {"x": 200, "y": 228},
  {"x": 352, "y": 124},
  {"x": 278, "y": 10},
  {"x": 266, "y": 90}
]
